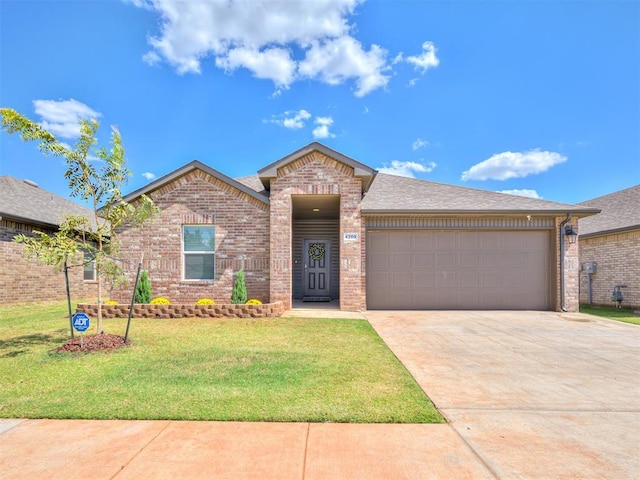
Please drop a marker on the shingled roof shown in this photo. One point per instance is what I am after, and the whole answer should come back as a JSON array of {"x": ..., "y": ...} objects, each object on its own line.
[
  {"x": 27, "y": 203},
  {"x": 391, "y": 194},
  {"x": 620, "y": 211}
]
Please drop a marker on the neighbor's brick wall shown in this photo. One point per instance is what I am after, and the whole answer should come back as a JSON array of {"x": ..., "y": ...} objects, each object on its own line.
[
  {"x": 618, "y": 257},
  {"x": 316, "y": 174},
  {"x": 23, "y": 280},
  {"x": 242, "y": 241},
  {"x": 571, "y": 270}
]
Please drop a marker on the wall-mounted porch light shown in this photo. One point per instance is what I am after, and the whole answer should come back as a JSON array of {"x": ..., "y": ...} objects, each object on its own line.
[{"x": 571, "y": 234}]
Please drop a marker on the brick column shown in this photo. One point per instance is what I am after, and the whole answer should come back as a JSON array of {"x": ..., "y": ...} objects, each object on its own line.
[{"x": 280, "y": 249}]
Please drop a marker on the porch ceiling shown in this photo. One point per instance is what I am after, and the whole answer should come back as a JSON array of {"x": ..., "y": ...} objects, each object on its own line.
[{"x": 303, "y": 207}]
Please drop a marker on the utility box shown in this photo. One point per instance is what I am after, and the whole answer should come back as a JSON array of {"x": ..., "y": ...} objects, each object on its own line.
[{"x": 591, "y": 267}]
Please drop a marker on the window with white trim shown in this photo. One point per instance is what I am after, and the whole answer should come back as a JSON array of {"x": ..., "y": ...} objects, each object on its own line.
[{"x": 199, "y": 252}]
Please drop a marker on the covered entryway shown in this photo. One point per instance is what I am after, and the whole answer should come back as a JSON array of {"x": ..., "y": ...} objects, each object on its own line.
[{"x": 459, "y": 269}]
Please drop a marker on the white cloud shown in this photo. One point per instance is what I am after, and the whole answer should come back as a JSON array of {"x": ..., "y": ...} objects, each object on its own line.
[
  {"x": 343, "y": 58},
  {"x": 407, "y": 169},
  {"x": 62, "y": 118},
  {"x": 525, "y": 192},
  {"x": 426, "y": 59},
  {"x": 291, "y": 119},
  {"x": 149, "y": 175},
  {"x": 513, "y": 165},
  {"x": 322, "y": 130},
  {"x": 280, "y": 40},
  {"x": 419, "y": 143},
  {"x": 273, "y": 63}
]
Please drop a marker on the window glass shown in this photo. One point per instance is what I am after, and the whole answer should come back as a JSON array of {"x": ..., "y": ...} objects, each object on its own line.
[
  {"x": 198, "y": 245},
  {"x": 89, "y": 266}
]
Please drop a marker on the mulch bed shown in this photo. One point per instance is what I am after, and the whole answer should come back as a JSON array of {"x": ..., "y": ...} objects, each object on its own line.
[{"x": 92, "y": 343}]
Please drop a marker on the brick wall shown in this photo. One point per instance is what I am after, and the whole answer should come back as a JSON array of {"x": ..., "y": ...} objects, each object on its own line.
[
  {"x": 23, "y": 280},
  {"x": 571, "y": 269},
  {"x": 242, "y": 240},
  {"x": 316, "y": 174},
  {"x": 618, "y": 258}
]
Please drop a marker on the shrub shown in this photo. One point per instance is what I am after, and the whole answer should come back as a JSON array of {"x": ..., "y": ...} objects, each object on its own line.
[
  {"x": 160, "y": 301},
  {"x": 143, "y": 289},
  {"x": 239, "y": 292},
  {"x": 205, "y": 301},
  {"x": 254, "y": 301},
  {"x": 111, "y": 302}
]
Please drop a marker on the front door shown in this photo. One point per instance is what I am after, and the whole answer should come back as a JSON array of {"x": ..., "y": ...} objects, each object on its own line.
[{"x": 317, "y": 261}]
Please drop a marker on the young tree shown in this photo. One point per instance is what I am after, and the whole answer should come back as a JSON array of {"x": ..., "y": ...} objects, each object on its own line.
[
  {"x": 239, "y": 292},
  {"x": 100, "y": 187},
  {"x": 143, "y": 289}
]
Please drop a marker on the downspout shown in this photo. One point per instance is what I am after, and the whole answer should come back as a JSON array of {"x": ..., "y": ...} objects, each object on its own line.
[{"x": 562, "y": 224}]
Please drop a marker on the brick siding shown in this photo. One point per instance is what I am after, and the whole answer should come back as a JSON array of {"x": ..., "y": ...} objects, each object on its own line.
[
  {"x": 317, "y": 174},
  {"x": 23, "y": 280},
  {"x": 241, "y": 236},
  {"x": 618, "y": 258}
]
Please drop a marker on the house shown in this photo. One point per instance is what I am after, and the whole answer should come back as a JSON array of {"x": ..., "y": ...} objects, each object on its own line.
[
  {"x": 24, "y": 209},
  {"x": 317, "y": 225},
  {"x": 610, "y": 249}
]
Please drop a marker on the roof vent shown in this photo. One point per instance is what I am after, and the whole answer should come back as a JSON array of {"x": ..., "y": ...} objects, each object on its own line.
[{"x": 31, "y": 182}]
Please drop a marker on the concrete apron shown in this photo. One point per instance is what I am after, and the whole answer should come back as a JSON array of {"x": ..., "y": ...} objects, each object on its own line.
[{"x": 536, "y": 395}]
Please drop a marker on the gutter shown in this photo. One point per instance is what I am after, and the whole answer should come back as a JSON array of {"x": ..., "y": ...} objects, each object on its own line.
[{"x": 562, "y": 286}]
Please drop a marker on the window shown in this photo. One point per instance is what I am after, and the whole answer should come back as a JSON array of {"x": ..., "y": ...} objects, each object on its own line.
[
  {"x": 198, "y": 247},
  {"x": 89, "y": 263}
]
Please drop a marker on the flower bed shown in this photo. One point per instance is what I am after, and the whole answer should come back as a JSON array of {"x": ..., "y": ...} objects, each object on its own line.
[{"x": 184, "y": 310}]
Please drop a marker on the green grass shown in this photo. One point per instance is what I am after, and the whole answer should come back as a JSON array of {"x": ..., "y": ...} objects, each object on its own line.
[
  {"x": 620, "y": 314},
  {"x": 315, "y": 370}
]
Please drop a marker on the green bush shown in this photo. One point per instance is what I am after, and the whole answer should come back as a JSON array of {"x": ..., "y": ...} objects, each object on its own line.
[
  {"x": 205, "y": 301},
  {"x": 239, "y": 292},
  {"x": 160, "y": 301},
  {"x": 143, "y": 290}
]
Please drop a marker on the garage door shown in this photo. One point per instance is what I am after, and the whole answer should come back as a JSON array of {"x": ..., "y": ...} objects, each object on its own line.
[{"x": 458, "y": 269}]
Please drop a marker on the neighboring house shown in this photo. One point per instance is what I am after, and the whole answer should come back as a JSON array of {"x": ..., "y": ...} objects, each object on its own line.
[
  {"x": 318, "y": 225},
  {"x": 611, "y": 239},
  {"x": 25, "y": 208}
]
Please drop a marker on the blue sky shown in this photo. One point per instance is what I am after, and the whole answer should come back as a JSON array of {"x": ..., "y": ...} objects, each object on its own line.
[{"x": 540, "y": 98}]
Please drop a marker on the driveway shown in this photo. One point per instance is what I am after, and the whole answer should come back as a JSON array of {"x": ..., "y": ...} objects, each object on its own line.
[{"x": 537, "y": 395}]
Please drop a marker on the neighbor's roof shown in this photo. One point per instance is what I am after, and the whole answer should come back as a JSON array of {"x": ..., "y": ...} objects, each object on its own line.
[
  {"x": 620, "y": 211},
  {"x": 394, "y": 195},
  {"x": 27, "y": 203}
]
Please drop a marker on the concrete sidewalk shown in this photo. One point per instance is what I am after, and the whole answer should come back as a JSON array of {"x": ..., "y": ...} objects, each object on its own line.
[{"x": 116, "y": 449}]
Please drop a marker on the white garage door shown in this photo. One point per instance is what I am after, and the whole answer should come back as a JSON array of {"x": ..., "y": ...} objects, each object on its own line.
[{"x": 458, "y": 269}]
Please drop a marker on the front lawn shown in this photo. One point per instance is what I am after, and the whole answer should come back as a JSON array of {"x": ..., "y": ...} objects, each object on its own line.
[
  {"x": 620, "y": 314},
  {"x": 312, "y": 370}
]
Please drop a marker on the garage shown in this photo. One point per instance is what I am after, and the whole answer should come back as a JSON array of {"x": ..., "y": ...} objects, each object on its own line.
[{"x": 459, "y": 269}]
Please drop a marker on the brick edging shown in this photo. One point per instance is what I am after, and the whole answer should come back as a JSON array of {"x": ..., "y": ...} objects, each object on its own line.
[{"x": 184, "y": 310}]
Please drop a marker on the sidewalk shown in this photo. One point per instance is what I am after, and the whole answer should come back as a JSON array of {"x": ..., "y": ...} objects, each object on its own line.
[{"x": 119, "y": 450}]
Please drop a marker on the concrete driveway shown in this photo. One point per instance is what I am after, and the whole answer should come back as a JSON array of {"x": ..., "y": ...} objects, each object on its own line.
[{"x": 537, "y": 395}]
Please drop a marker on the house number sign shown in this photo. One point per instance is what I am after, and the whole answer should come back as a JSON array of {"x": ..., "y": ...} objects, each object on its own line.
[{"x": 350, "y": 237}]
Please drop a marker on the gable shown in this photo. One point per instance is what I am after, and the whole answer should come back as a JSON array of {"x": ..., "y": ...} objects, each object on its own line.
[
  {"x": 314, "y": 152},
  {"x": 181, "y": 176}
]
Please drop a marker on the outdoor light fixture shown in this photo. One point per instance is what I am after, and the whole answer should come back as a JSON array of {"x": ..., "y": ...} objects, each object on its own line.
[
  {"x": 571, "y": 234},
  {"x": 316, "y": 209}
]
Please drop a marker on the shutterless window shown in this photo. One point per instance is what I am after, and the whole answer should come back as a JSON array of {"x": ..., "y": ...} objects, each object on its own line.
[
  {"x": 89, "y": 266},
  {"x": 198, "y": 247}
]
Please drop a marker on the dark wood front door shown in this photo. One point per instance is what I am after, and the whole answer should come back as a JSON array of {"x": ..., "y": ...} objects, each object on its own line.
[{"x": 316, "y": 257}]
